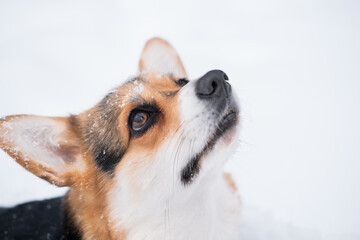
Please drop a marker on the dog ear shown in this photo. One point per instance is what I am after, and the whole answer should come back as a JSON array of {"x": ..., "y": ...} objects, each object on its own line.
[
  {"x": 49, "y": 147},
  {"x": 159, "y": 56}
]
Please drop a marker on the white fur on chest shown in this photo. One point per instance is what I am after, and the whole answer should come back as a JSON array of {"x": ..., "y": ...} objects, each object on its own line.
[{"x": 209, "y": 214}]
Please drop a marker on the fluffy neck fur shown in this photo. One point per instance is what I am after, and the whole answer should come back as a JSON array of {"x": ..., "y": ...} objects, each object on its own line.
[{"x": 208, "y": 211}]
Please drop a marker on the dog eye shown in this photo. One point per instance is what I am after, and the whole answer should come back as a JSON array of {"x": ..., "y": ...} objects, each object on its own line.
[
  {"x": 142, "y": 119},
  {"x": 182, "y": 82},
  {"x": 139, "y": 119}
]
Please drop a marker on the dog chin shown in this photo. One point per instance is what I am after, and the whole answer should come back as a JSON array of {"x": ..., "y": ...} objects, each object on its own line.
[{"x": 226, "y": 133}]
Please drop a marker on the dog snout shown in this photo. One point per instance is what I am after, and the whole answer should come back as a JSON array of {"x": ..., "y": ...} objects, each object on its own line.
[{"x": 213, "y": 85}]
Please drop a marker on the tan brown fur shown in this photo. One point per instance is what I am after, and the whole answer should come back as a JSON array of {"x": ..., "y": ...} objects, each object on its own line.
[
  {"x": 232, "y": 185},
  {"x": 87, "y": 203},
  {"x": 230, "y": 181}
]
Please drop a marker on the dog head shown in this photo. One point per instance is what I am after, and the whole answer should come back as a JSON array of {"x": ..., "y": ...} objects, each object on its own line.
[{"x": 158, "y": 134}]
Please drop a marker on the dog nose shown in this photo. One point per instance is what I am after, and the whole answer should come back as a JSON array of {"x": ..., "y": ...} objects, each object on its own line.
[{"x": 213, "y": 84}]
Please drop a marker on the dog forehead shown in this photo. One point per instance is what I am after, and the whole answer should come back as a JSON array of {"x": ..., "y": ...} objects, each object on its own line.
[
  {"x": 159, "y": 81},
  {"x": 145, "y": 88}
]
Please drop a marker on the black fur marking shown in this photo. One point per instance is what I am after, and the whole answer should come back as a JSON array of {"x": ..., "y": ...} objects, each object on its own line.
[
  {"x": 191, "y": 170},
  {"x": 102, "y": 134},
  {"x": 38, "y": 220},
  {"x": 107, "y": 159}
]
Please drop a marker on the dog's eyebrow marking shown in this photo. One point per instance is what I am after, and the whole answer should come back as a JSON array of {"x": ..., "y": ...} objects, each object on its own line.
[{"x": 166, "y": 94}]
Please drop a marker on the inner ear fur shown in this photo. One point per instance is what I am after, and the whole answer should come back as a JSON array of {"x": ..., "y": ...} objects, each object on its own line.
[
  {"x": 159, "y": 56},
  {"x": 49, "y": 147}
]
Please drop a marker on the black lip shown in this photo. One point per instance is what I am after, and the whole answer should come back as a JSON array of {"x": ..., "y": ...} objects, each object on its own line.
[{"x": 227, "y": 123}]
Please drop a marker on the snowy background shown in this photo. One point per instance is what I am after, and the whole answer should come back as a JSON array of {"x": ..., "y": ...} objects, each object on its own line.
[{"x": 294, "y": 64}]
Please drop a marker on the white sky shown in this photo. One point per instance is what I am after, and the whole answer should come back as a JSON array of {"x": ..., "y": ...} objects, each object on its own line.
[{"x": 294, "y": 64}]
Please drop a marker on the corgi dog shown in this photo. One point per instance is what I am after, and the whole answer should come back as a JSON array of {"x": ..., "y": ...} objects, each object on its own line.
[{"x": 146, "y": 162}]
